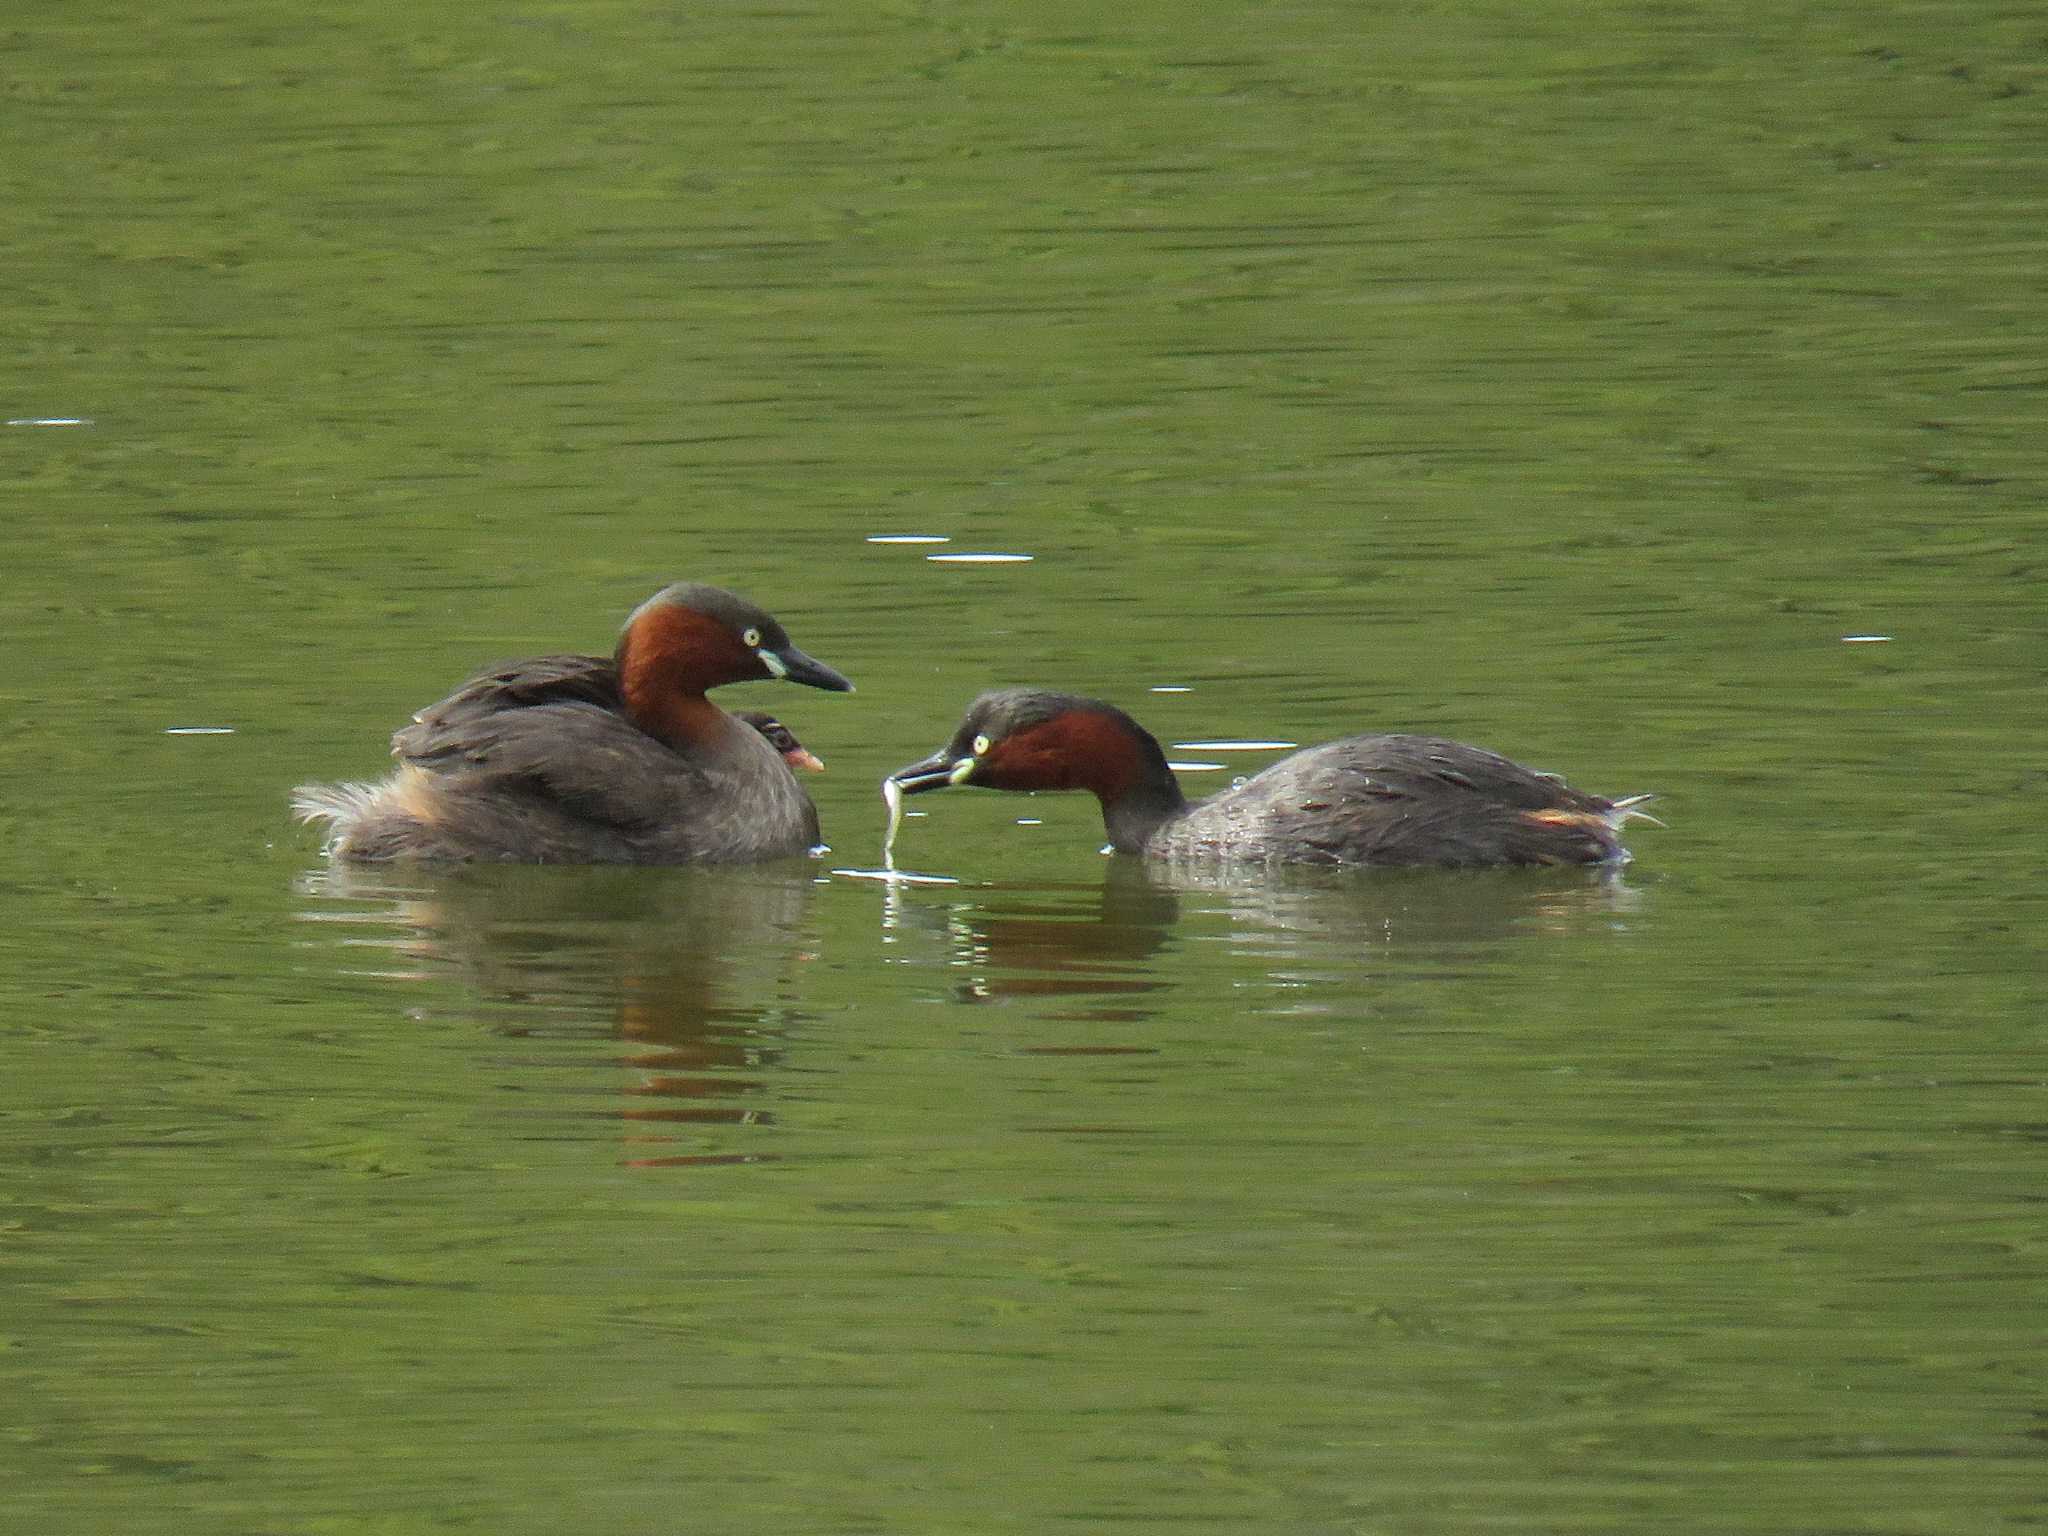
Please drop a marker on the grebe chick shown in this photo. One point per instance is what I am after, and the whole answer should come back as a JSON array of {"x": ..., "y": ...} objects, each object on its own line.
[
  {"x": 595, "y": 760},
  {"x": 782, "y": 739},
  {"x": 1378, "y": 800}
]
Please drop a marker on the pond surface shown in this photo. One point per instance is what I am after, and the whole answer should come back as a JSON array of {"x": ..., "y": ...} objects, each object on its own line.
[{"x": 1652, "y": 393}]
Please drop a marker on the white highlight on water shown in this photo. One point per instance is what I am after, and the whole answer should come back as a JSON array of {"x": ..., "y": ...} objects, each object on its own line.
[
  {"x": 892, "y": 796},
  {"x": 50, "y": 421},
  {"x": 908, "y": 538},
  {"x": 1232, "y": 746},
  {"x": 199, "y": 730},
  {"x": 980, "y": 559},
  {"x": 1865, "y": 639}
]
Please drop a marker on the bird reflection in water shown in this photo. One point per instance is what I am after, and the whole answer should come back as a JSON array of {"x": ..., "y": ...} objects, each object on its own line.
[
  {"x": 1082, "y": 941},
  {"x": 1105, "y": 943},
  {"x": 690, "y": 968}
]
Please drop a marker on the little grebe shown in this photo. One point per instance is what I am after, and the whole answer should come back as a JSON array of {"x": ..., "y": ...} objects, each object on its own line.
[
  {"x": 589, "y": 760},
  {"x": 782, "y": 739},
  {"x": 1396, "y": 800}
]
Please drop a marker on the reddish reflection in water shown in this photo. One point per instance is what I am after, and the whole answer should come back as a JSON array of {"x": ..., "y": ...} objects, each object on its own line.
[{"x": 690, "y": 969}]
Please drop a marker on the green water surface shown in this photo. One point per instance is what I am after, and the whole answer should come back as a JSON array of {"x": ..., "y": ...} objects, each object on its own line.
[{"x": 1593, "y": 382}]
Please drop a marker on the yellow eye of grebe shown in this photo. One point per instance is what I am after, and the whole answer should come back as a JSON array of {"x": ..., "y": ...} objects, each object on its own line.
[
  {"x": 751, "y": 638},
  {"x": 981, "y": 745}
]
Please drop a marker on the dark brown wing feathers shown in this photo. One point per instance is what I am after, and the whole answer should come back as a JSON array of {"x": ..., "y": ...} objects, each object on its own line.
[
  {"x": 448, "y": 728},
  {"x": 550, "y": 727}
]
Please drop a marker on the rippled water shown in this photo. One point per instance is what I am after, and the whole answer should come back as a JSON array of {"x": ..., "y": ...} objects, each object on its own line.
[{"x": 1596, "y": 386}]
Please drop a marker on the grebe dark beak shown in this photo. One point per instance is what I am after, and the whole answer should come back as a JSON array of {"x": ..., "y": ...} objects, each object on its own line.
[
  {"x": 935, "y": 772},
  {"x": 792, "y": 665}
]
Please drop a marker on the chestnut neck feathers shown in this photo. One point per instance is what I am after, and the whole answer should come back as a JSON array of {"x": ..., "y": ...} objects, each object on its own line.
[{"x": 1053, "y": 741}]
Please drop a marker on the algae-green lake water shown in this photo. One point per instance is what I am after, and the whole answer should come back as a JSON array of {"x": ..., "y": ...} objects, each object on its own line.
[{"x": 1652, "y": 392}]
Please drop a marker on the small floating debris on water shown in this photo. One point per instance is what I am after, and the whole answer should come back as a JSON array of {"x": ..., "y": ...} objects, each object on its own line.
[
  {"x": 199, "y": 730},
  {"x": 1232, "y": 746},
  {"x": 50, "y": 421},
  {"x": 1865, "y": 639},
  {"x": 908, "y": 538},
  {"x": 982, "y": 559},
  {"x": 892, "y": 796}
]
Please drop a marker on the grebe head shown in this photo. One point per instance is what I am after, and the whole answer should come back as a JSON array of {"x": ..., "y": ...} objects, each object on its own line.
[
  {"x": 689, "y": 637},
  {"x": 1032, "y": 739},
  {"x": 782, "y": 739}
]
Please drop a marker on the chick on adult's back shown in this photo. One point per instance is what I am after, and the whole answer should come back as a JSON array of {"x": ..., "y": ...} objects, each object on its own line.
[{"x": 596, "y": 760}]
